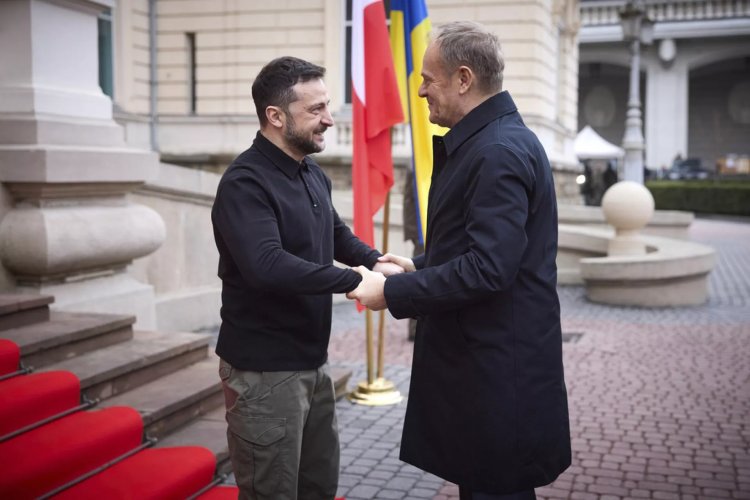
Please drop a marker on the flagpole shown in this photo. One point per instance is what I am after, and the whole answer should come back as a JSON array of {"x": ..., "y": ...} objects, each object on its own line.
[
  {"x": 368, "y": 340},
  {"x": 377, "y": 391},
  {"x": 381, "y": 324},
  {"x": 373, "y": 79}
]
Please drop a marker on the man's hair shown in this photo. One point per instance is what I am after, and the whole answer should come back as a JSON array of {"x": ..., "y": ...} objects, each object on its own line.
[
  {"x": 273, "y": 85},
  {"x": 466, "y": 43}
]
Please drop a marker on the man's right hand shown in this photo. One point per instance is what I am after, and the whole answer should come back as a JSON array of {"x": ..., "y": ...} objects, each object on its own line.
[{"x": 405, "y": 262}]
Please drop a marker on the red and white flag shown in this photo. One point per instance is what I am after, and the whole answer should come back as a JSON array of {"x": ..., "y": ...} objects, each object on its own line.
[{"x": 376, "y": 106}]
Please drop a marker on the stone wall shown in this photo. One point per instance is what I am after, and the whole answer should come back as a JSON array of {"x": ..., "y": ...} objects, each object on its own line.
[{"x": 183, "y": 270}]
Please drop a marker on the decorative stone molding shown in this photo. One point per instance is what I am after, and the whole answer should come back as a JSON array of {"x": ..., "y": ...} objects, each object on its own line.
[
  {"x": 71, "y": 230},
  {"x": 60, "y": 243}
]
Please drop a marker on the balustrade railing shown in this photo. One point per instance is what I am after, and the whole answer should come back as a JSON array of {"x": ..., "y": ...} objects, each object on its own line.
[
  {"x": 340, "y": 139},
  {"x": 605, "y": 12}
]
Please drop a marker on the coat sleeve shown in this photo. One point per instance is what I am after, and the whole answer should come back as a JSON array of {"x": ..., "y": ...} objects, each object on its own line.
[
  {"x": 495, "y": 211},
  {"x": 247, "y": 224}
]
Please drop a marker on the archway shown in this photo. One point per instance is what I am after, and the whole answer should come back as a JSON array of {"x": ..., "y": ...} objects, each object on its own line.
[
  {"x": 603, "y": 98},
  {"x": 719, "y": 111}
]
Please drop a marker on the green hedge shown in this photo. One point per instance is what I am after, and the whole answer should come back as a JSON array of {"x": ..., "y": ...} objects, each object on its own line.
[{"x": 718, "y": 196}]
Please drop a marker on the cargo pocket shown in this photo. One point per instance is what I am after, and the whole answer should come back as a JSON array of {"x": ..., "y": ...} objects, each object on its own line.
[
  {"x": 230, "y": 395},
  {"x": 258, "y": 451}
]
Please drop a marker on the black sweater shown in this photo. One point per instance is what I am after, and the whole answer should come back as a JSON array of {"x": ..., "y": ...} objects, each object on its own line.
[{"x": 278, "y": 234}]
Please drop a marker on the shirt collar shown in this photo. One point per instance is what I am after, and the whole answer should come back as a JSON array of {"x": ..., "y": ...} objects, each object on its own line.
[
  {"x": 491, "y": 109},
  {"x": 283, "y": 161}
]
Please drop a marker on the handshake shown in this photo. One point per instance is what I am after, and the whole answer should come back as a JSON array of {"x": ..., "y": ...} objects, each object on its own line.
[{"x": 370, "y": 291}]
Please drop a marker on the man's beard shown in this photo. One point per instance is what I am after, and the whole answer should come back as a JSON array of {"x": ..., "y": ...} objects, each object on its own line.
[{"x": 302, "y": 143}]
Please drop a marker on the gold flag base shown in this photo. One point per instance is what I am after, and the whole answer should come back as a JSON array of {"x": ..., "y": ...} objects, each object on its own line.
[{"x": 381, "y": 392}]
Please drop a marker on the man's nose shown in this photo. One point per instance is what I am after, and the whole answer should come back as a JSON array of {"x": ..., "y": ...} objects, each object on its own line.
[
  {"x": 421, "y": 91},
  {"x": 327, "y": 118}
]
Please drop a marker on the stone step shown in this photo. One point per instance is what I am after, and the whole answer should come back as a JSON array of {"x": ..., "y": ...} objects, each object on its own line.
[
  {"x": 19, "y": 309},
  {"x": 115, "y": 369},
  {"x": 67, "y": 335},
  {"x": 208, "y": 430},
  {"x": 173, "y": 400}
]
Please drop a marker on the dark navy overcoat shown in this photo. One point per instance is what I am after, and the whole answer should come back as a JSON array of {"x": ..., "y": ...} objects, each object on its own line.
[{"x": 487, "y": 406}]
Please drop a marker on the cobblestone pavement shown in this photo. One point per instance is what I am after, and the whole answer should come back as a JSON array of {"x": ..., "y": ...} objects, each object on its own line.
[{"x": 659, "y": 398}]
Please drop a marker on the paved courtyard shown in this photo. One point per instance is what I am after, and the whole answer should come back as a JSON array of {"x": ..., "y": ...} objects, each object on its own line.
[{"x": 659, "y": 398}]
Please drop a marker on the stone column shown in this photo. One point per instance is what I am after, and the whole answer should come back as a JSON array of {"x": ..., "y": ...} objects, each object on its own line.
[
  {"x": 666, "y": 127},
  {"x": 70, "y": 229}
]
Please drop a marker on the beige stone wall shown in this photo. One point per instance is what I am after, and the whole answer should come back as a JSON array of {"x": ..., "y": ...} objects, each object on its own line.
[
  {"x": 234, "y": 38},
  {"x": 131, "y": 46}
]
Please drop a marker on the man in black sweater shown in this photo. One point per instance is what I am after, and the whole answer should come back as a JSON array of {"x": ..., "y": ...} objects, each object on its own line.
[{"x": 277, "y": 234}]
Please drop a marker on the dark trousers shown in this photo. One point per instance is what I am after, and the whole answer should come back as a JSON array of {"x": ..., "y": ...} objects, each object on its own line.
[{"x": 467, "y": 494}]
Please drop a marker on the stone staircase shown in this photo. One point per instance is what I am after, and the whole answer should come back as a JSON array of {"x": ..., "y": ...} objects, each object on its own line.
[{"x": 170, "y": 378}]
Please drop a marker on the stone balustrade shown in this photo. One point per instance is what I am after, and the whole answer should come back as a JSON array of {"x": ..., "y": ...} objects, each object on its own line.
[{"x": 606, "y": 12}]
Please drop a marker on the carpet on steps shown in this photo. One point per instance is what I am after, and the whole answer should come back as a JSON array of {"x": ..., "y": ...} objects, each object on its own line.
[
  {"x": 50, "y": 456},
  {"x": 27, "y": 399},
  {"x": 163, "y": 473},
  {"x": 64, "y": 450},
  {"x": 10, "y": 355},
  {"x": 220, "y": 493}
]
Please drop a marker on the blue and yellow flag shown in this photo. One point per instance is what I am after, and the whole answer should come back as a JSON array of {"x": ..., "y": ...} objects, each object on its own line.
[{"x": 410, "y": 31}]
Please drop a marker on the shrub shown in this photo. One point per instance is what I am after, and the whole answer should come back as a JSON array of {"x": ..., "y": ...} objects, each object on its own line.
[{"x": 715, "y": 196}]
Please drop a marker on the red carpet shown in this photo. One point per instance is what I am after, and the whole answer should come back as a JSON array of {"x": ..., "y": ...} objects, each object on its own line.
[
  {"x": 60, "y": 451},
  {"x": 63, "y": 450},
  {"x": 9, "y": 356},
  {"x": 220, "y": 493},
  {"x": 165, "y": 473},
  {"x": 41, "y": 395}
]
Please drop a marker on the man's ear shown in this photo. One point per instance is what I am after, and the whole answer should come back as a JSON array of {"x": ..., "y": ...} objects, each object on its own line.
[
  {"x": 465, "y": 79},
  {"x": 275, "y": 116}
]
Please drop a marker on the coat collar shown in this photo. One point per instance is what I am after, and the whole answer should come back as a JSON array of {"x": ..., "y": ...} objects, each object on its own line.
[
  {"x": 279, "y": 158},
  {"x": 491, "y": 109}
]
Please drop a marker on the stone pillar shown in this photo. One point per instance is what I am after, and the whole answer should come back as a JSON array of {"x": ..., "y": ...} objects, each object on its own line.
[
  {"x": 666, "y": 127},
  {"x": 71, "y": 230}
]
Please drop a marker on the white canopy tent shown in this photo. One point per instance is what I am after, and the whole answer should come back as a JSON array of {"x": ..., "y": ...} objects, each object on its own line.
[{"x": 591, "y": 146}]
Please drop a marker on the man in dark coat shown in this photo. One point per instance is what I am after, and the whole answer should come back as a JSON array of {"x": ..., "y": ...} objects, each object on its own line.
[{"x": 487, "y": 406}]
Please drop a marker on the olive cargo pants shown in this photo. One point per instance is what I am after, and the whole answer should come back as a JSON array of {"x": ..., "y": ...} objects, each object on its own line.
[{"x": 282, "y": 433}]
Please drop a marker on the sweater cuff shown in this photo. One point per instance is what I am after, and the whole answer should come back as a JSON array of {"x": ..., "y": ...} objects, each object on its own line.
[
  {"x": 356, "y": 280},
  {"x": 372, "y": 259}
]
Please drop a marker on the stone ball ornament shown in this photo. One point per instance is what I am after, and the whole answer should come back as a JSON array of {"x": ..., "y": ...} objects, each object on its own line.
[{"x": 628, "y": 205}]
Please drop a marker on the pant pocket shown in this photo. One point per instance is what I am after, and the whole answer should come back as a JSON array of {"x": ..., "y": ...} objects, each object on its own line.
[{"x": 258, "y": 452}]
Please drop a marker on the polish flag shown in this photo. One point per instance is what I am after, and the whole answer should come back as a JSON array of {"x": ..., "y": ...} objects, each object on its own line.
[{"x": 376, "y": 106}]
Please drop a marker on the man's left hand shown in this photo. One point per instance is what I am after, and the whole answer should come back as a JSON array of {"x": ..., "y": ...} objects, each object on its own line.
[{"x": 387, "y": 268}]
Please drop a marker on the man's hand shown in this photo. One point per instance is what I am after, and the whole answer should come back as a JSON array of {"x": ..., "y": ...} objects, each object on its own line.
[
  {"x": 370, "y": 290},
  {"x": 405, "y": 262},
  {"x": 387, "y": 268}
]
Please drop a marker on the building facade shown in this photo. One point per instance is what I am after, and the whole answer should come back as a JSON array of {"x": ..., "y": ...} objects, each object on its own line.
[
  {"x": 695, "y": 79},
  {"x": 207, "y": 53},
  {"x": 94, "y": 93}
]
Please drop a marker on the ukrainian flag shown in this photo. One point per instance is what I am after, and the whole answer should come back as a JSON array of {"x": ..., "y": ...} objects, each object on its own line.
[{"x": 410, "y": 30}]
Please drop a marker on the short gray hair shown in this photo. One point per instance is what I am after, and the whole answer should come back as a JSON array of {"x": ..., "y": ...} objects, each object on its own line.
[{"x": 466, "y": 43}]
